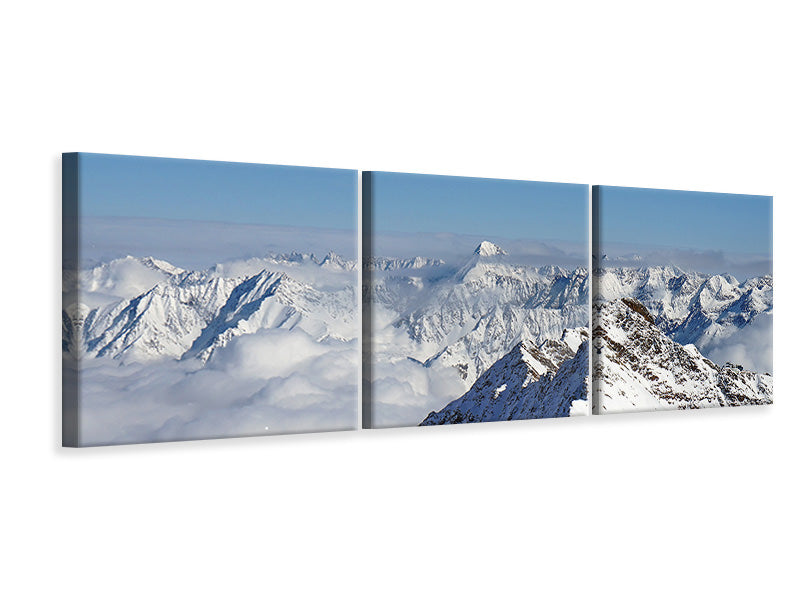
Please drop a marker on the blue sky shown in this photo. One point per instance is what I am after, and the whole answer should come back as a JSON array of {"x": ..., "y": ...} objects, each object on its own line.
[
  {"x": 168, "y": 188},
  {"x": 490, "y": 208},
  {"x": 729, "y": 223}
]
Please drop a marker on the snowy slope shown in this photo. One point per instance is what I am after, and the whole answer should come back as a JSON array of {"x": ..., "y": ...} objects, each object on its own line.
[
  {"x": 161, "y": 322},
  {"x": 637, "y": 367},
  {"x": 139, "y": 310},
  {"x": 275, "y": 301},
  {"x": 530, "y": 382}
]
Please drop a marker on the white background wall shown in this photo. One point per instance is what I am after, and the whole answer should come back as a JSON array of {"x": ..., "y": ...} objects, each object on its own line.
[{"x": 687, "y": 95}]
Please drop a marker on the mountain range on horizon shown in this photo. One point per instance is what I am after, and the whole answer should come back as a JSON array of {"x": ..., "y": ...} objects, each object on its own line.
[
  {"x": 689, "y": 307},
  {"x": 162, "y": 311},
  {"x": 515, "y": 336}
]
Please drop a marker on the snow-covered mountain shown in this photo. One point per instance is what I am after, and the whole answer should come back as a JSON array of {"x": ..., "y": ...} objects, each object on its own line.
[
  {"x": 689, "y": 307},
  {"x": 399, "y": 264},
  {"x": 161, "y": 322},
  {"x": 396, "y": 282},
  {"x": 144, "y": 309},
  {"x": 331, "y": 259},
  {"x": 637, "y": 367},
  {"x": 454, "y": 321},
  {"x": 489, "y": 249},
  {"x": 271, "y": 300},
  {"x": 530, "y": 382},
  {"x": 474, "y": 317}
]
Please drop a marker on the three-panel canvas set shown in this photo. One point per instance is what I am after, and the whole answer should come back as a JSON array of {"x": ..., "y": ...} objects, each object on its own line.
[{"x": 210, "y": 299}]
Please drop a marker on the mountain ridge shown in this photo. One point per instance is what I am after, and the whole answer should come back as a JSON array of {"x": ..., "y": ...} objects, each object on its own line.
[
  {"x": 529, "y": 382},
  {"x": 690, "y": 307},
  {"x": 638, "y": 367},
  {"x": 188, "y": 314}
]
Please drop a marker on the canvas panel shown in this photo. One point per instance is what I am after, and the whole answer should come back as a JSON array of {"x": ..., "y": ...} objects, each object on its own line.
[
  {"x": 476, "y": 300},
  {"x": 682, "y": 286},
  {"x": 207, "y": 299}
]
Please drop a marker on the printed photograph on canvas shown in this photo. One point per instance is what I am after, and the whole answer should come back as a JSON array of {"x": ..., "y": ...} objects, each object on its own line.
[
  {"x": 476, "y": 300},
  {"x": 207, "y": 299},
  {"x": 682, "y": 292}
]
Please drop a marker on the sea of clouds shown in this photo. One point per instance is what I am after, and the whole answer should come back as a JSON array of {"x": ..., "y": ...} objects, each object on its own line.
[
  {"x": 269, "y": 382},
  {"x": 750, "y": 347}
]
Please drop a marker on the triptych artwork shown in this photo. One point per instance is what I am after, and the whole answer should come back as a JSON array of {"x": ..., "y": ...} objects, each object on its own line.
[{"x": 209, "y": 300}]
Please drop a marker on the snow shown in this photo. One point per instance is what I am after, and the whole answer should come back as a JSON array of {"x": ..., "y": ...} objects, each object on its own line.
[
  {"x": 639, "y": 368},
  {"x": 695, "y": 308},
  {"x": 580, "y": 408},
  {"x": 164, "y": 353},
  {"x": 532, "y": 387},
  {"x": 456, "y": 322},
  {"x": 182, "y": 352},
  {"x": 395, "y": 264},
  {"x": 489, "y": 249}
]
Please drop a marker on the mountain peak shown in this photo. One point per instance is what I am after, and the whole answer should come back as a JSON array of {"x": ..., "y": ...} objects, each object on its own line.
[
  {"x": 331, "y": 258},
  {"x": 489, "y": 249}
]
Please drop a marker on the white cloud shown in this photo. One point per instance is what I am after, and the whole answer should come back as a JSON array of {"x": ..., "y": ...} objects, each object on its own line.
[
  {"x": 268, "y": 353},
  {"x": 750, "y": 346},
  {"x": 270, "y": 382},
  {"x": 405, "y": 392}
]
